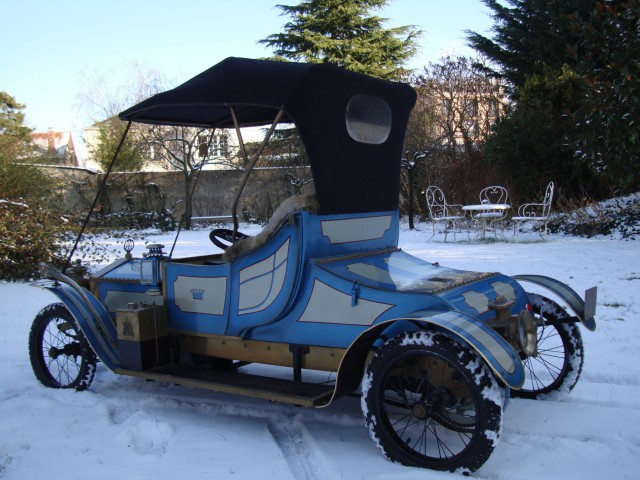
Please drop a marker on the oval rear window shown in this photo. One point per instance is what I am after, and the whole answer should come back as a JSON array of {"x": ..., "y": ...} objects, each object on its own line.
[{"x": 368, "y": 119}]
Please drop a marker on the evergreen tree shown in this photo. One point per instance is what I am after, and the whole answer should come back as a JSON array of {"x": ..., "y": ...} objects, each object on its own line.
[
  {"x": 530, "y": 38},
  {"x": 133, "y": 155},
  {"x": 15, "y": 138},
  {"x": 608, "y": 119},
  {"x": 573, "y": 72},
  {"x": 18, "y": 179},
  {"x": 529, "y": 145},
  {"x": 345, "y": 33}
]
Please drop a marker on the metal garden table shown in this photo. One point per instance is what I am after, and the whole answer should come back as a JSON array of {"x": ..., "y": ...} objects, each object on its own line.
[{"x": 489, "y": 213}]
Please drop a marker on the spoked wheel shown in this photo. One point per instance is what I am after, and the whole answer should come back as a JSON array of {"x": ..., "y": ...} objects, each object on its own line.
[
  {"x": 558, "y": 364},
  {"x": 59, "y": 353},
  {"x": 431, "y": 402}
]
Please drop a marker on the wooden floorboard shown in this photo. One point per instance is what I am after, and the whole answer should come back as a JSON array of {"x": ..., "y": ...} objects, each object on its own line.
[{"x": 230, "y": 381}]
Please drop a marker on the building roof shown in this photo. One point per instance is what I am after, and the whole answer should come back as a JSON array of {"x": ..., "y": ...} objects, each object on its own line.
[{"x": 58, "y": 145}]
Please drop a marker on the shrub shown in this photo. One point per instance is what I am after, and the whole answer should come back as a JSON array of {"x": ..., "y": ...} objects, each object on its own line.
[
  {"x": 29, "y": 235},
  {"x": 619, "y": 216},
  {"x": 134, "y": 221}
]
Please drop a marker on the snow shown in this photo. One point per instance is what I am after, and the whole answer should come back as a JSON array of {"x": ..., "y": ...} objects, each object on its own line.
[
  {"x": 493, "y": 436},
  {"x": 131, "y": 429},
  {"x": 420, "y": 338},
  {"x": 15, "y": 204}
]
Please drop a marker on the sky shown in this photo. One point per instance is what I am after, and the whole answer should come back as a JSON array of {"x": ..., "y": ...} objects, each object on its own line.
[{"x": 55, "y": 50}]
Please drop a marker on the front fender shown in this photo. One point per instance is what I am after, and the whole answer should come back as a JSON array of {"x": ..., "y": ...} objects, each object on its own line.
[
  {"x": 497, "y": 353},
  {"x": 495, "y": 350},
  {"x": 585, "y": 311},
  {"x": 91, "y": 316}
]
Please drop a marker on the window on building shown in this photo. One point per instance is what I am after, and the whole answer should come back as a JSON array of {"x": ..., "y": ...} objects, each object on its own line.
[
  {"x": 224, "y": 144},
  {"x": 202, "y": 145}
]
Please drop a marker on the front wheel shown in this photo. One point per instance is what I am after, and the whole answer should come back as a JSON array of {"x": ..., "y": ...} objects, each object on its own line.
[
  {"x": 558, "y": 364},
  {"x": 59, "y": 352},
  {"x": 431, "y": 402}
]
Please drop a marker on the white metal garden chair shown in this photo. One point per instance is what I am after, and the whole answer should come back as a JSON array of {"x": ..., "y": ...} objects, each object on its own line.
[
  {"x": 535, "y": 212},
  {"x": 442, "y": 212},
  {"x": 496, "y": 199}
]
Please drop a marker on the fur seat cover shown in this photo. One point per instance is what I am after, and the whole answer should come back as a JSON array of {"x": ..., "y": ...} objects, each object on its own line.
[{"x": 289, "y": 206}]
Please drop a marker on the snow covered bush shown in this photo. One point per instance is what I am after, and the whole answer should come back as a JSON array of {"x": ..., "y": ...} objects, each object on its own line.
[
  {"x": 618, "y": 216},
  {"x": 28, "y": 236},
  {"x": 134, "y": 220}
]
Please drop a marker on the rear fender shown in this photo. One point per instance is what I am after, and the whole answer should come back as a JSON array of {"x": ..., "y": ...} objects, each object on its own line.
[
  {"x": 574, "y": 301},
  {"x": 496, "y": 352},
  {"x": 92, "y": 317}
]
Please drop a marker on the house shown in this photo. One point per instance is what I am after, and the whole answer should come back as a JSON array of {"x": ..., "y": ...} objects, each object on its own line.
[
  {"x": 222, "y": 152},
  {"x": 57, "y": 147}
]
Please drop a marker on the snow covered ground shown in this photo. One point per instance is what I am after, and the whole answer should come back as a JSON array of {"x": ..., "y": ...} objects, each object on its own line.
[{"x": 126, "y": 428}]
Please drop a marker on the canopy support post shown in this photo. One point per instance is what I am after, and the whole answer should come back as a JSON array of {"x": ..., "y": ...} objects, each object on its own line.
[
  {"x": 95, "y": 200},
  {"x": 249, "y": 166},
  {"x": 186, "y": 206}
]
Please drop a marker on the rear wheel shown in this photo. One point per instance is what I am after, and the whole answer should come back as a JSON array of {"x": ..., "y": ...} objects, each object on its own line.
[
  {"x": 59, "y": 353},
  {"x": 558, "y": 365},
  {"x": 431, "y": 402}
]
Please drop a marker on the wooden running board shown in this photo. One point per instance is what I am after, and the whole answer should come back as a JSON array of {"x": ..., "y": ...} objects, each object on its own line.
[{"x": 274, "y": 389}]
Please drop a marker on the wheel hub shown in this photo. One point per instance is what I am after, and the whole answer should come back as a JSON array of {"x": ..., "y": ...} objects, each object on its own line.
[
  {"x": 71, "y": 349},
  {"x": 420, "y": 410}
]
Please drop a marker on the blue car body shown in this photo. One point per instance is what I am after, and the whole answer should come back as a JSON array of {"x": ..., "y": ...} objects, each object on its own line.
[{"x": 322, "y": 281}]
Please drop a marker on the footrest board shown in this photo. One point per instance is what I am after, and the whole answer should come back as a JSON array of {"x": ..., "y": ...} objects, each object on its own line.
[{"x": 274, "y": 389}]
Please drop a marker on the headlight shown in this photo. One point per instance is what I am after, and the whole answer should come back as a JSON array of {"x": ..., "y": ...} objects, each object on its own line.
[{"x": 527, "y": 335}]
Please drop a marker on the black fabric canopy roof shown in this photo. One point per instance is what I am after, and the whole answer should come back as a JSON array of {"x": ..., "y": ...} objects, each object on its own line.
[{"x": 349, "y": 176}]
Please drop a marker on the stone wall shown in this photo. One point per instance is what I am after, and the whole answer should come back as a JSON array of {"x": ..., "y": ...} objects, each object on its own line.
[{"x": 149, "y": 191}]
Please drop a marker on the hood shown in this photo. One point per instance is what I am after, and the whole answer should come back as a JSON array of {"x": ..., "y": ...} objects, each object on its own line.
[
  {"x": 401, "y": 272},
  {"x": 397, "y": 271}
]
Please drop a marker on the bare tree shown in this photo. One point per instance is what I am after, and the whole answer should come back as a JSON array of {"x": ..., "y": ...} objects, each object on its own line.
[
  {"x": 467, "y": 101},
  {"x": 457, "y": 105},
  {"x": 183, "y": 149},
  {"x": 101, "y": 99},
  {"x": 102, "y": 96}
]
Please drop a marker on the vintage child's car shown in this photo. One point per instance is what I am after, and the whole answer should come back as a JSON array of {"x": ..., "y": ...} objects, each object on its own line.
[{"x": 433, "y": 351}]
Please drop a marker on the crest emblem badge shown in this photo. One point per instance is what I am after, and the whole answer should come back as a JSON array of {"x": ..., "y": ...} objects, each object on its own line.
[{"x": 197, "y": 293}]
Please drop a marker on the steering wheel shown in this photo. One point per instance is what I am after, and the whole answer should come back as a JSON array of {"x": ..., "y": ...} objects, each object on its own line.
[{"x": 221, "y": 235}]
